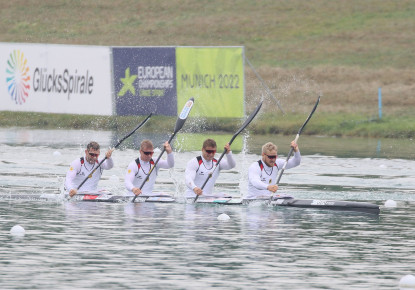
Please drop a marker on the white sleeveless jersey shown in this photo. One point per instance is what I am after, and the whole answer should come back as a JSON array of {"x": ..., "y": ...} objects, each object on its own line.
[
  {"x": 80, "y": 169},
  {"x": 137, "y": 172},
  {"x": 261, "y": 175},
  {"x": 198, "y": 169}
]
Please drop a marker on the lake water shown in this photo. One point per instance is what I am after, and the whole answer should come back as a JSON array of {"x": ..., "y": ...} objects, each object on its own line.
[{"x": 75, "y": 245}]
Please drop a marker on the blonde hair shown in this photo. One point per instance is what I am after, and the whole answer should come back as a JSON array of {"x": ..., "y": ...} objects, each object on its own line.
[
  {"x": 147, "y": 144},
  {"x": 268, "y": 147}
]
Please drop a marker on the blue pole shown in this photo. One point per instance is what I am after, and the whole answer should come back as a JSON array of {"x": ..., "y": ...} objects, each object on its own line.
[{"x": 380, "y": 102}]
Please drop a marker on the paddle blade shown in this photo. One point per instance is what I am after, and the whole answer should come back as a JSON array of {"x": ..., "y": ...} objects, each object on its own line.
[
  {"x": 247, "y": 121},
  {"x": 184, "y": 114},
  {"x": 309, "y": 116},
  {"x": 133, "y": 131}
]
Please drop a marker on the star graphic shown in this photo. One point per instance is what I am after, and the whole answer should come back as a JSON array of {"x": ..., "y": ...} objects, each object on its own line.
[{"x": 128, "y": 82}]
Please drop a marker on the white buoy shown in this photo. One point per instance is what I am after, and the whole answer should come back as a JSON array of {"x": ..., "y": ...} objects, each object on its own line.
[
  {"x": 390, "y": 203},
  {"x": 382, "y": 166},
  {"x": 223, "y": 217},
  {"x": 114, "y": 178},
  {"x": 407, "y": 282},
  {"x": 17, "y": 231},
  {"x": 57, "y": 153}
]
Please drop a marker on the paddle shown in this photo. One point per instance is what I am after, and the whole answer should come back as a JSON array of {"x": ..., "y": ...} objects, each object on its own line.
[
  {"x": 245, "y": 124},
  {"x": 296, "y": 139},
  {"x": 179, "y": 124},
  {"x": 116, "y": 146}
]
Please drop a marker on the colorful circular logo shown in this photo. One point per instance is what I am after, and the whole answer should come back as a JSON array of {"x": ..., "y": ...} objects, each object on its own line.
[{"x": 18, "y": 77}]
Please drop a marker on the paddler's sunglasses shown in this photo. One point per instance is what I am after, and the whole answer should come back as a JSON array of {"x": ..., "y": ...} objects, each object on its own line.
[
  {"x": 148, "y": 153},
  {"x": 210, "y": 151},
  {"x": 272, "y": 156},
  {"x": 94, "y": 154}
]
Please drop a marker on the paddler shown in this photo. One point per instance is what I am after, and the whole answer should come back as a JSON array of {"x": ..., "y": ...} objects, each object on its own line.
[
  {"x": 139, "y": 169},
  {"x": 262, "y": 174},
  {"x": 198, "y": 169},
  {"x": 82, "y": 167}
]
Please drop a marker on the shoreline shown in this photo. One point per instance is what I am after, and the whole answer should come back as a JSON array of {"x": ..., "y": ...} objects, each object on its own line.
[{"x": 322, "y": 124}]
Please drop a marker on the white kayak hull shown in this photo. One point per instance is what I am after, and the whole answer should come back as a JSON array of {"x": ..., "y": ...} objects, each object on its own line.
[
  {"x": 338, "y": 205},
  {"x": 107, "y": 197}
]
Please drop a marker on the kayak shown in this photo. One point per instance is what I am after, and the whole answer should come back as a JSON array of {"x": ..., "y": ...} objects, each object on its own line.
[
  {"x": 286, "y": 201},
  {"x": 339, "y": 205},
  {"x": 121, "y": 198},
  {"x": 365, "y": 207},
  {"x": 90, "y": 197}
]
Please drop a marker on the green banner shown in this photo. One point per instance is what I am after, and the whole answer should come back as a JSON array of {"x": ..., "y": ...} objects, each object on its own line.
[{"x": 214, "y": 76}]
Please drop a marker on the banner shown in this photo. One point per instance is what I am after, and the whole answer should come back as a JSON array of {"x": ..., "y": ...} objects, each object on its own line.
[
  {"x": 95, "y": 80},
  {"x": 214, "y": 76},
  {"x": 55, "y": 79},
  {"x": 145, "y": 80}
]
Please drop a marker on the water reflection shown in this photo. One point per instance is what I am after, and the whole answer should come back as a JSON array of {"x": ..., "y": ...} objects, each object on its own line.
[{"x": 172, "y": 246}]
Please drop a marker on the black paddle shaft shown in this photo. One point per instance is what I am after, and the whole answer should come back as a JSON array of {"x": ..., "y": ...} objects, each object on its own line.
[
  {"x": 296, "y": 139},
  {"x": 244, "y": 125},
  {"x": 116, "y": 146}
]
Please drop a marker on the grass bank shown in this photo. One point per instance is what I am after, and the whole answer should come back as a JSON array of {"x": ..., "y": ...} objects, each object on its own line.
[
  {"x": 342, "y": 50},
  {"x": 324, "y": 124}
]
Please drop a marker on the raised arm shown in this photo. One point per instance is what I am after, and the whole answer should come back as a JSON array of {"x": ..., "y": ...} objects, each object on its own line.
[{"x": 229, "y": 163}]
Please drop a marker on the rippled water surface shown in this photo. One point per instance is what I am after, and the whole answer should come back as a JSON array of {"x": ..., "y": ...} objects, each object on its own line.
[{"x": 78, "y": 245}]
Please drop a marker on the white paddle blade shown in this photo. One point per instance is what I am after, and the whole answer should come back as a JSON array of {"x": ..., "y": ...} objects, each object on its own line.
[{"x": 186, "y": 109}]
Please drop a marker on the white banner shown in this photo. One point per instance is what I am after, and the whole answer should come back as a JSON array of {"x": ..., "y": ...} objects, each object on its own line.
[{"x": 55, "y": 79}]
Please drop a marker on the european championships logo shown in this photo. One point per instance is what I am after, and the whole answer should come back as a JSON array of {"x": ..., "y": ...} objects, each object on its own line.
[{"x": 18, "y": 77}]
